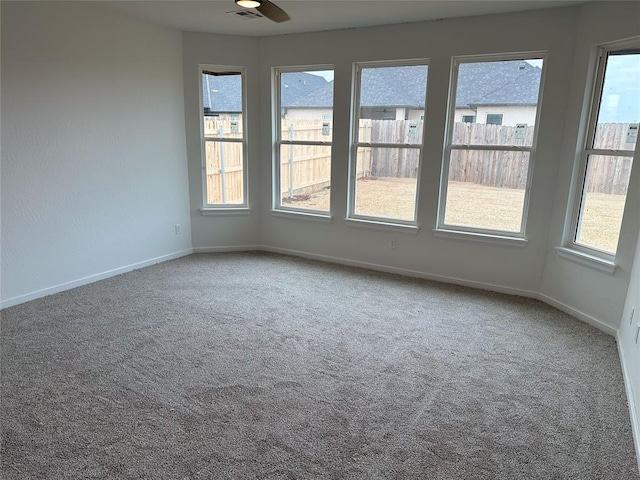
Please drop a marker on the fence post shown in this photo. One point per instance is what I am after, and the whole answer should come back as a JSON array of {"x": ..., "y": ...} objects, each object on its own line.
[
  {"x": 223, "y": 180},
  {"x": 290, "y": 161}
]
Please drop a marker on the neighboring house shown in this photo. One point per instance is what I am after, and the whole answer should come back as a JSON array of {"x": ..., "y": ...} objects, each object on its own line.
[
  {"x": 501, "y": 93},
  {"x": 389, "y": 93},
  {"x": 492, "y": 93},
  {"x": 222, "y": 94}
]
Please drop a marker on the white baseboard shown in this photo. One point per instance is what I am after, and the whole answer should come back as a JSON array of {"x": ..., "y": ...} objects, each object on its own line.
[
  {"x": 325, "y": 258},
  {"x": 91, "y": 278},
  {"x": 600, "y": 325},
  {"x": 635, "y": 419},
  {"x": 404, "y": 271},
  {"x": 453, "y": 280},
  {"x": 234, "y": 248},
  {"x": 633, "y": 412}
]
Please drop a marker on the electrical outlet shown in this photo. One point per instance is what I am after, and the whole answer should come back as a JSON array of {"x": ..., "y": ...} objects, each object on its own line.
[
  {"x": 633, "y": 310},
  {"x": 392, "y": 243},
  {"x": 178, "y": 229}
]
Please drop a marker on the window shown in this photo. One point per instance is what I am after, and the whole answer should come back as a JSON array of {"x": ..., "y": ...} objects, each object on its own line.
[
  {"x": 223, "y": 137},
  {"x": 304, "y": 129},
  {"x": 387, "y": 141},
  {"x": 494, "y": 119},
  {"x": 470, "y": 119},
  {"x": 487, "y": 166},
  {"x": 608, "y": 154}
]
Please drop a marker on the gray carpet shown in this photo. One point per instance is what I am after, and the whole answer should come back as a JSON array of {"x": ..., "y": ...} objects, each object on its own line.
[{"x": 254, "y": 365}]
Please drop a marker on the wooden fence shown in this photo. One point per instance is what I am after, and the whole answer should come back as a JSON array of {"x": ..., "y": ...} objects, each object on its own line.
[
  {"x": 306, "y": 169},
  {"x": 223, "y": 161}
]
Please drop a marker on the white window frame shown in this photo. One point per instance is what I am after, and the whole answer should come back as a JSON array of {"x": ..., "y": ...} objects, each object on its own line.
[
  {"x": 356, "y": 143},
  {"x": 276, "y": 81},
  {"x": 586, "y": 254},
  {"x": 485, "y": 233},
  {"x": 222, "y": 208},
  {"x": 472, "y": 117}
]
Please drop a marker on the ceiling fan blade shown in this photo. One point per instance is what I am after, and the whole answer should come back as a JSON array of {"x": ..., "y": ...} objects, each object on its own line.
[{"x": 273, "y": 12}]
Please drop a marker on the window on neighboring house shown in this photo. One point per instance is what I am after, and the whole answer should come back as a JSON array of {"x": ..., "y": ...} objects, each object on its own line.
[
  {"x": 494, "y": 118},
  {"x": 487, "y": 167},
  {"x": 223, "y": 137},
  {"x": 468, "y": 119},
  {"x": 304, "y": 130},
  {"x": 386, "y": 150},
  {"x": 608, "y": 154}
]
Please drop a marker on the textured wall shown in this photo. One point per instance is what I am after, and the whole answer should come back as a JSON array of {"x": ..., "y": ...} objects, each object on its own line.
[{"x": 94, "y": 173}]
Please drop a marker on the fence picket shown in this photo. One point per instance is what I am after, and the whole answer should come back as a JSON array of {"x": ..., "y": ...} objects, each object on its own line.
[{"x": 312, "y": 165}]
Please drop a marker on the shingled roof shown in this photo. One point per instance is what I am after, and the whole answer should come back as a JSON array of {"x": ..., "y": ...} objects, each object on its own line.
[
  {"x": 495, "y": 83},
  {"x": 482, "y": 83},
  {"x": 223, "y": 93},
  {"x": 498, "y": 83}
]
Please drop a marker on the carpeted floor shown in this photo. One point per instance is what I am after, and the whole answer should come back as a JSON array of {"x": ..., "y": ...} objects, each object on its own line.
[{"x": 255, "y": 365}]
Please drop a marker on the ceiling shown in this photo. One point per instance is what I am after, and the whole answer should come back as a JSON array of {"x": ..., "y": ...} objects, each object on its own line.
[{"x": 316, "y": 15}]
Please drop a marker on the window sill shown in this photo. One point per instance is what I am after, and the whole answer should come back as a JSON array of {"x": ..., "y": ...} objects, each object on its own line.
[
  {"x": 481, "y": 237},
  {"x": 221, "y": 212},
  {"x": 591, "y": 261},
  {"x": 296, "y": 215},
  {"x": 376, "y": 225}
]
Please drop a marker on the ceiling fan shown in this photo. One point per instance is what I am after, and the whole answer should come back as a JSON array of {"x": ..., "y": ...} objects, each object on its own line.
[{"x": 266, "y": 8}]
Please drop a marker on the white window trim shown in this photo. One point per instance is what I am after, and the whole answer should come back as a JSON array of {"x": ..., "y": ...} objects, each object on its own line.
[
  {"x": 211, "y": 209},
  {"x": 484, "y": 233},
  {"x": 213, "y": 212},
  {"x": 308, "y": 215},
  {"x": 469, "y": 236},
  {"x": 352, "y": 218},
  {"x": 570, "y": 248},
  {"x": 277, "y": 207},
  {"x": 381, "y": 225},
  {"x": 586, "y": 259}
]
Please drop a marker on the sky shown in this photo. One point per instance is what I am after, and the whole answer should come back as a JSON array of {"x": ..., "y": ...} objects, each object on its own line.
[{"x": 621, "y": 90}]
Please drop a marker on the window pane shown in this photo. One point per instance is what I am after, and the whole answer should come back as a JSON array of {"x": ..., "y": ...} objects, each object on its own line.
[
  {"x": 619, "y": 112},
  {"x": 603, "y": 198},
  {"x": 223, "y": 126},
  {"x": 224, "y": 169},
  {"x": 494, "y": 118},
  {"x": 222, "y": 105},
  {"x": 305, "y": 176},
  {"x": 503, "y": 98},
  {"x": 386, "y": 181},
  {"x": 486, "y": 189},
  {"x": 392, "y": 102},
  {"x": 306, "y": 103}
]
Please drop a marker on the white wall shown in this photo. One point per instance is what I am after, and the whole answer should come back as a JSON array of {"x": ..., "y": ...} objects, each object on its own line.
[
  {"x": 596, "y": 294},
  {"x": 508, "y": 267},
  {"x": 211, "y": 232},
  {"x": 306, "y": 113},
  {"x": 629, "y": 349},
  {"x": 93, "y": 158},
  {"x": 94, "y": 171},
  {"x": 511, "y": 115}
]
